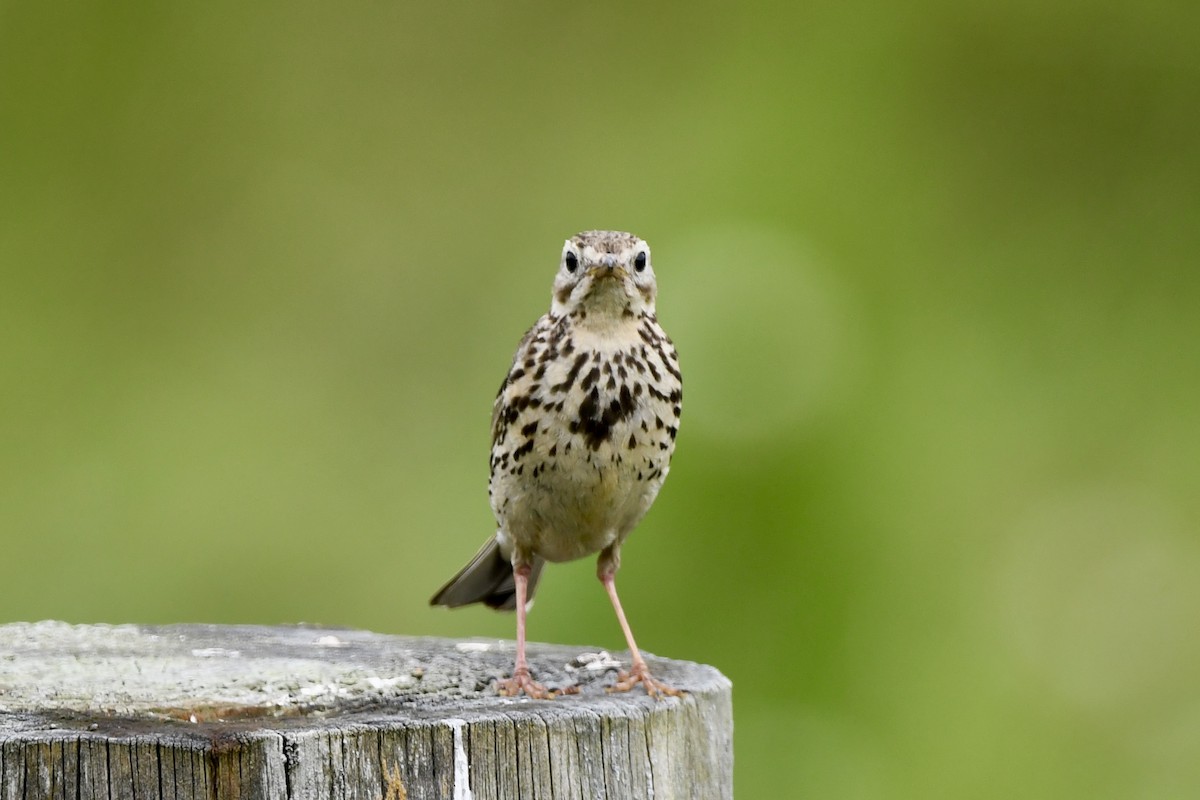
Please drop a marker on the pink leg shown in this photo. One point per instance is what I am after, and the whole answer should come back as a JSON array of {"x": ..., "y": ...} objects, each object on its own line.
[
  {"x": 638, "y": 671},
  {"x": 521, "y": 681}
]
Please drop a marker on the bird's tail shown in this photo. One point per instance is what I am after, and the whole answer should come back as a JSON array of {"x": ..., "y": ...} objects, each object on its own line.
[{"x": 487, "y": 579}]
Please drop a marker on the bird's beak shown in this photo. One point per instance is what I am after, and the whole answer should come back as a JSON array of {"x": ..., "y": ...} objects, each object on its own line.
[{"x": 607, "y": 267}]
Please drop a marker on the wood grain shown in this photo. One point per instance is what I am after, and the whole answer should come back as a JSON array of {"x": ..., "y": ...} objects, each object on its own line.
[{"x": 198, "y": 711}]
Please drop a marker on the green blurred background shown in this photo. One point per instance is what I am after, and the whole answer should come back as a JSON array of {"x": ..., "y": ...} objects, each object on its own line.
[{"x": 931, "y": 268}]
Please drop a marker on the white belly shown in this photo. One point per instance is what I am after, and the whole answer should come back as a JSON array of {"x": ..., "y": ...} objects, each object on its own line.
[{"x": 569, "y": 512}]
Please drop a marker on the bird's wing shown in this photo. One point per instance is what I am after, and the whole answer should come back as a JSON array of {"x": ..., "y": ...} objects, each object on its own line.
[{"x": 498, "y": 404}]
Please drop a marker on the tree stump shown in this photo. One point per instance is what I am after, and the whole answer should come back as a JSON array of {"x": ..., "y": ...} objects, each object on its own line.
[{"x": 212, "y": 712}]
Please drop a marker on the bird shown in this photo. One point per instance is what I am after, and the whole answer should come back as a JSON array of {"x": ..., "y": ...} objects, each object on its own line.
[{"x": 583, "y": 431}]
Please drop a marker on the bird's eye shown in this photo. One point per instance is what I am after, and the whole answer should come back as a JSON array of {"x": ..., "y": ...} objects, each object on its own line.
[
  {"x": 639, "y": 261},
  {"x": 571, "y": 260}
]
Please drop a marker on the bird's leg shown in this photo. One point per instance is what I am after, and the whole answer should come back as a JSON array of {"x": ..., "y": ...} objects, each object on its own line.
[
  {"x": 521, "y": 680},
  {"x": 638, "y": 671}
]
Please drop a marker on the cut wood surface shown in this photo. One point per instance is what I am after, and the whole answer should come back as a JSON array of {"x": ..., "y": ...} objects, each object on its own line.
[{"x": 207, "y": 711}]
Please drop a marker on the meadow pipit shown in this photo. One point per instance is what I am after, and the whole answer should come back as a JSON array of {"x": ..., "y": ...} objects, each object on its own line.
[{"x": 582, "y": 435}]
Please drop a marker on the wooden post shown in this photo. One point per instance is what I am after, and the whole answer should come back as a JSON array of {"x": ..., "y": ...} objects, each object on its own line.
[{"x": 210, "y": 712}]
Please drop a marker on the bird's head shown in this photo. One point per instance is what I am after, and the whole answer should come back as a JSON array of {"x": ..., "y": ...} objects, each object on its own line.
[{"x": 606, "y": 275}]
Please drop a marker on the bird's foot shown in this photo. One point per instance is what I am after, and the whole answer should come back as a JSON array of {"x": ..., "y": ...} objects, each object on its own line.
[
  {"x": 640, "y": 673},
  {"x": 522, "y": 681}
]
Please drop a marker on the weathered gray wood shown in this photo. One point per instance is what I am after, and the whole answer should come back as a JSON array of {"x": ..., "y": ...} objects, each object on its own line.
[{"x": 206, "y": 712}]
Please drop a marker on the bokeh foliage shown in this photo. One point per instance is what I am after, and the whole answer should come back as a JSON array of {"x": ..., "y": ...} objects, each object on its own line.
[{"x": 931, "y": 268}]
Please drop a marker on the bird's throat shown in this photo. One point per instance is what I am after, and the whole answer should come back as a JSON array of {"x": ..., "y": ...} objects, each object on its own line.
[{"x": 608, "y": 304}]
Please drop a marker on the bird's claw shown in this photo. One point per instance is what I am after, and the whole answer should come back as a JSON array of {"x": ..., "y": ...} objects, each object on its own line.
[
  {"x": 522, "y": 681},
  {"x": 640, "y": 673}
]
